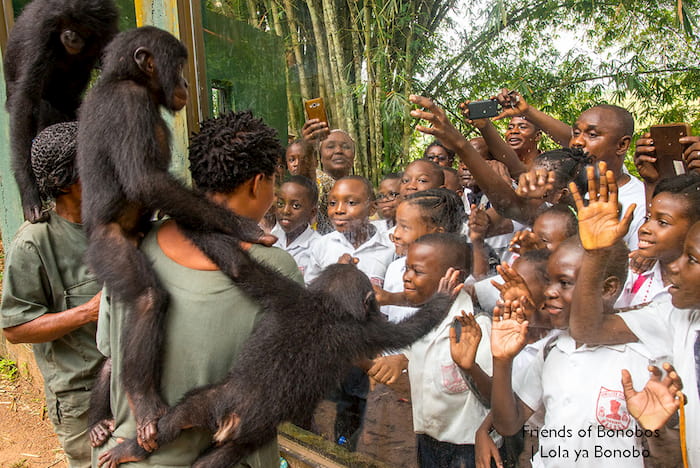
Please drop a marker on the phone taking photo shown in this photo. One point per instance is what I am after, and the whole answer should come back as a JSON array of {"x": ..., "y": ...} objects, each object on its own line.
[
  {"x": 483, "y": 109},
  {"x": 316, "y": 109},
  {"x": 669, "y": 151}
]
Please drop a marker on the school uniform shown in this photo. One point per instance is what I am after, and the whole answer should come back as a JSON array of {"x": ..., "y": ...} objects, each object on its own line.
[
  {"x": 444, "y": 406},
  {"x": 300, "y": 248},
  {"x": 375, "y": 255},
  {"x": 643, "y": 288},
  {"x": 633, "y": 192},
  {"x": 675, "y": 333},
  {"x": 585, "y": 408},
  {"x": 393, "y": 282}
]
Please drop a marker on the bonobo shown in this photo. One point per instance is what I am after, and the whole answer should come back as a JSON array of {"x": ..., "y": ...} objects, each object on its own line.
[
  {"x": 123, "y": 159},
  {"x": 51, "y": 52},
  {"x": 300, "y": 350}
]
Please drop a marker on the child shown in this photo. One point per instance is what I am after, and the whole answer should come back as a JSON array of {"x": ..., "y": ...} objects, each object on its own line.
[
  {"x": 670, "y": 331},
  {"x": 439, "y": 154},
  {"x": 675, "y": 207},
  {"x": 421, "y": 175},
  {"x": 301, "y": 159},
  {"x": 296, "y": 207},
  {"x": 50, "y": 298},
  {"x": 452, "y": 180},
  {"x": 350, "y": 204},
  {"x": 209, "y": 318},
  {"x": 388, "y": 198},
  {"x": 599, "y": 430},
  {"x": 446, "y": 411}
]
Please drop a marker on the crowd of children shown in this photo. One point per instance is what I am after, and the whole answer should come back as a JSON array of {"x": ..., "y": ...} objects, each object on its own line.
[{"x": 574, "y": 341}]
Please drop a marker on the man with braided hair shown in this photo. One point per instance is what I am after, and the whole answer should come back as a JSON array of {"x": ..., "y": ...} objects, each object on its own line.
[{"x": 50, "y": 299}]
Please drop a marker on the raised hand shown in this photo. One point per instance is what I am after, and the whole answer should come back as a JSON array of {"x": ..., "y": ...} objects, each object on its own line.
[
  {"x": 464, "y": 351},
  {"x": 691, "y": 155},
  {"x": 509, "y": 330},
  {"x": 512, "y": 103},
  {"x": 440, "y": 126},
  {"x": 452, "y": 283},
  {"x": 645, "y": 159},
  {"x": 478, "y": 224},
  {"x": 314, "y": 131},
  {"x": 514, "y": 287},
  {"x": 525, "y": 240},
  {"x": 658, "y": 400},
  {"x": 598, "y": 223},
  {"x": 537, "y": 183},
  {"x": 464, "y": 109},
  {"x": 387, "y": 369}
]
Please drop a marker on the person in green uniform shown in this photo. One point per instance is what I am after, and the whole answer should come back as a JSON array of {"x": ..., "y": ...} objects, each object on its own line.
[
  {"x": 233, "y": 160},
  {"x": 50, "y": 299}
]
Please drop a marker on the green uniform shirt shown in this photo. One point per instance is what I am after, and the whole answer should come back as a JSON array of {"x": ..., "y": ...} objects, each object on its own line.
[
  {"x": 209, "y": 320},
  {"x": 45, "y": 274}
]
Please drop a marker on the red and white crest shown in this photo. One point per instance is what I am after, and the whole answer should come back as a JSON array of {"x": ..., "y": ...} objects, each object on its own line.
[{"x": 611, "y": 410}]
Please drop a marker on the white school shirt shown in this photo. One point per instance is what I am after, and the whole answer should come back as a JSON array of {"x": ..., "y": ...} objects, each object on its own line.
[
  {"x": 673, "y": 332},
  {"x": 444, "y": 407},
  {"x": 633, "y": 192},
  {"x": 580, "y": 388},
  {"x": 393, "y": 282},
  {"x": 652, "y": 290},
  {"x": 375, "y": 255},
  {"x": 300, "y": 248}
]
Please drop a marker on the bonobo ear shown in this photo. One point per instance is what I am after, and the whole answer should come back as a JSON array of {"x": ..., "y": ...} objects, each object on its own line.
[
  {"x": 370, "y": 304},
  {"x": 144, "y": 59}
]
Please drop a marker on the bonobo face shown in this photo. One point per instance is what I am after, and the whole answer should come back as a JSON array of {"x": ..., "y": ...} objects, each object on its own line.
[
  {"x": 180, "y": 93},
  {"x": 72, "y": 41}
]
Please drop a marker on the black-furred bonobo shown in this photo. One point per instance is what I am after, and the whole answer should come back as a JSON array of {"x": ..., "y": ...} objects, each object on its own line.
[{"x": 51, "y": 52}]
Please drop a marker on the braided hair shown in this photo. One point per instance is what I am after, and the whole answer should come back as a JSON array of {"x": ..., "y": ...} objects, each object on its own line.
[
  {"x": 568, "y": 165},
  {"x": 440, "y": 207},
  {"x": 53, "y": 159}
]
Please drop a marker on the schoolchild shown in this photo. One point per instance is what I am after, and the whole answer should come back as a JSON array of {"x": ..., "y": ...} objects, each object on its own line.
[
  {"x": 452, "y": 180},
  {"x": 350, "y": 204},
  {"x": 387, "y": 200},
  {"x": 577, "y": 385},
  {"x": 297, "y": 202},
  {"x": 675, "y": 207},
  {"x": 420, "y": 175},
  {"x": 50, "y": 299},
  {"x": 439, "y": 154},
  {"x": 672, "y": 332},
  {"x": 301, "y": 159}
]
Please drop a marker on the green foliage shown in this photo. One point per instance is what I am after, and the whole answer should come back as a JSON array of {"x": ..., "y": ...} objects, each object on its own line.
[{"x": 8, "y": 369}]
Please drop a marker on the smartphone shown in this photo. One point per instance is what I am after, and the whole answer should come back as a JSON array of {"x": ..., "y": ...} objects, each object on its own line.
[
  {"x": 483, "y": 109},
  {"x": 669, "y": 152},
  {"x": 315, "y": 109}
]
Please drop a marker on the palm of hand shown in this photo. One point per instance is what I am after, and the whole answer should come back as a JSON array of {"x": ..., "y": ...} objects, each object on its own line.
[
  {"x": 652, "y": 406},
  {"x": 507, "y": 338},
  {"x": 599, "y": 226},
  {"x": 464, "y": 352}
]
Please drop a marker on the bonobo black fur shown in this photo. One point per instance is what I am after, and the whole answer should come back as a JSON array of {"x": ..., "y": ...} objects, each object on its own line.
[
  {"x": 300, "y": 350},
  {"x": 51, "y": 52},
  {"x": 123, "y": 160}
]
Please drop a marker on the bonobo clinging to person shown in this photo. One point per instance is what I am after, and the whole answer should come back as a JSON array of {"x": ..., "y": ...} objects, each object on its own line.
[
  {"x": 305, "y": 343},
  {"x": 51, "y": 52},
  {"x": 123, "y": 159}
]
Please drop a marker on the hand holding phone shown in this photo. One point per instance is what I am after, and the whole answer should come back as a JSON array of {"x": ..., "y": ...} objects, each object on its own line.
[{"x": 668, "y": 148}]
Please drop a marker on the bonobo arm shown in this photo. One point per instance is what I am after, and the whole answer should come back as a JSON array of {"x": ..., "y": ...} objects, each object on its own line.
[
  {"x": 100, "y": 419},
  {"x": 264, "y": 284},
  {"x": 388, "y": 335}
]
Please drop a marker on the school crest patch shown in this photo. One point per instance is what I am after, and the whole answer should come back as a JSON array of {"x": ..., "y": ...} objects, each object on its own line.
[{"x": 611, "y": 410}]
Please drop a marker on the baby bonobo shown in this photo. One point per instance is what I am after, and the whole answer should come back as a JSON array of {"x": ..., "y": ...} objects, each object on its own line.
[{"x": 306, "y": 342}]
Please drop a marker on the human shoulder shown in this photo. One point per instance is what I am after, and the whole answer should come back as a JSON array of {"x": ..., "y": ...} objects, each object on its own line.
[{"x": 277, "y": 258}]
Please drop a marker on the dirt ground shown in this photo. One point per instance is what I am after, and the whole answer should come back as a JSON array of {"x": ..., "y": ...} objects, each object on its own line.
[{"x": 26, "y": 435}]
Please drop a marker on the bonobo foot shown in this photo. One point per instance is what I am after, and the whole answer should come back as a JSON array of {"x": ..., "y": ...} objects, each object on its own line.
[
  {"x": 100, "y": 432},
  {"x": 127, "y": 451},
  {"x": 147, "y": 429}
]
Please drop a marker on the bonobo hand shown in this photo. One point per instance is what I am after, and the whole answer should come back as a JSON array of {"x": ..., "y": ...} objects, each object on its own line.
[
  {"x": 100, "y": 432},
  {"x": 387, "y": 369},
  {"x": 31, "y": 206}
]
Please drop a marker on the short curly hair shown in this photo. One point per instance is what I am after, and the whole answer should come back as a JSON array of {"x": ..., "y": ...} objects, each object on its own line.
[
  {"x": 53, "y": 159},
  {"x": 231, "y": 149}
]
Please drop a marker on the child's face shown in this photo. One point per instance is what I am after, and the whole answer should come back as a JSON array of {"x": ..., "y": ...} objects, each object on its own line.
[
  {"x": 465, "y": 177},
  {"x": 349, "y": 206},
  {"x": 388, "y": 199},
  {"x": 551, "y": 229},
  {"x": 664, "y": 230},
  {"x": 410, "y": 225},
  {"x": 685, "y": 273},
  {"x": 521, "y": 134},
  {"x": 452, "y": 182},
  {"x": 438, "y": 155},
  {"x": 536, "y": 284},
  {"x": 424, "y": 268},
  {"x": 294, "y": 155},
  {"x": 562, "y": 270},
  {"x": 337, "y": 154},
  {"x": 418, "y": 176},
  {"x": 294, "y": 209},
  {"x": 596, "y": 132}
]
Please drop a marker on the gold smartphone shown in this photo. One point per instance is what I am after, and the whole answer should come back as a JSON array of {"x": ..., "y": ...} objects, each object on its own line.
[
  {"x": 669, "y": 151},
  {"x": 315, "y": 109}
]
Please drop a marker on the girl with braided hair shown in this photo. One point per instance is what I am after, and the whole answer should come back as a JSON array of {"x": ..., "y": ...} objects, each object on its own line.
[{"x": 50, "y": 299}]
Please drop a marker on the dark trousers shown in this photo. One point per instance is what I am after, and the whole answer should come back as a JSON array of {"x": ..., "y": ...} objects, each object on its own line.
[
  {"x": 436, "y": 454},
  {"x": 351, "y": 401}
]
